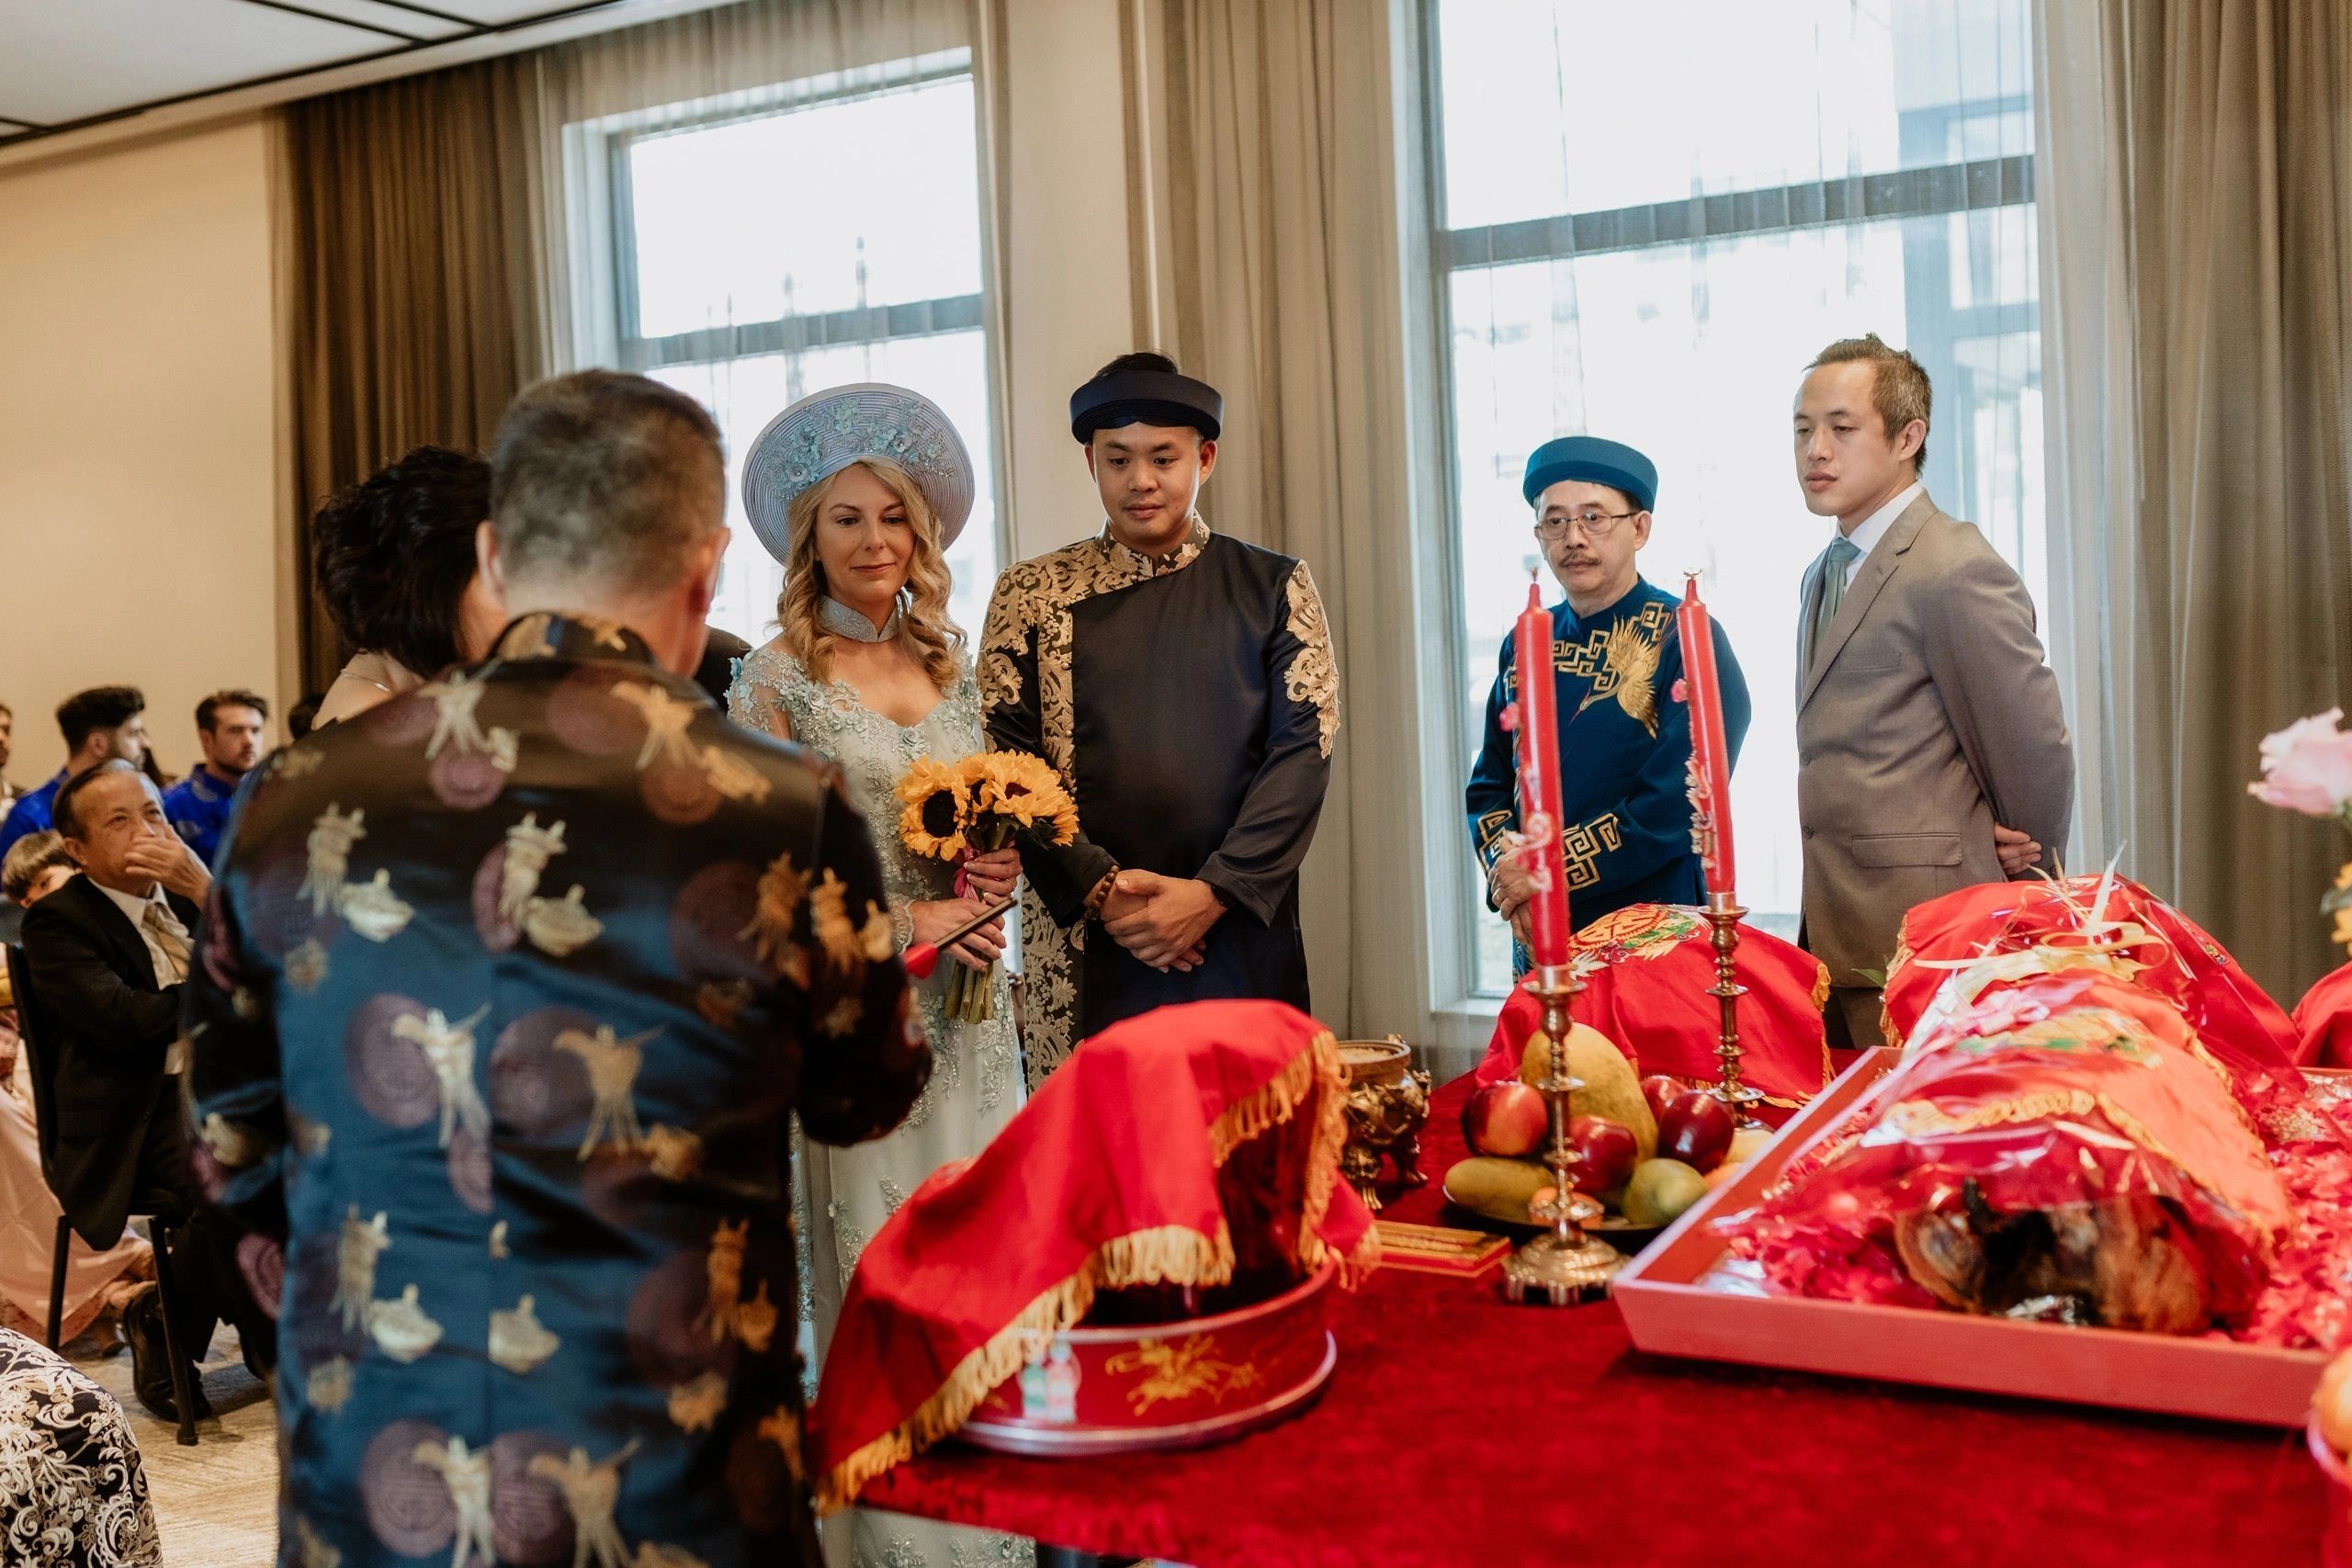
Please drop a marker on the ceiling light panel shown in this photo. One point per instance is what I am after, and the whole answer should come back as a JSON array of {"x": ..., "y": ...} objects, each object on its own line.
[{"x": 70, "y": 62}]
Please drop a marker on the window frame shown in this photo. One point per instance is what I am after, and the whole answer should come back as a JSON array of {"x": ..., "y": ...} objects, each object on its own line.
[
  {"x": 601, "y": 324},
  {"x": 790, "y": 333},
  {"x": 1959, "y": 186}
]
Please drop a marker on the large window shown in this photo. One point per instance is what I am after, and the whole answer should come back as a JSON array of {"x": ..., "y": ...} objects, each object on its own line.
[
  {"x": 1650, "y": 217},
  {"x": 758, "y": 256}
]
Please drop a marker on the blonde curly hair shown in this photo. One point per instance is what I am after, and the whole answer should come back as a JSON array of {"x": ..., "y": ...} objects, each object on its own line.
[{"x": 923, "y": 625}]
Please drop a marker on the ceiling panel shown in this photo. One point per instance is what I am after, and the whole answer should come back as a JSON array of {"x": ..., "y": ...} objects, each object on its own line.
[
  {"x": 69, "y": 62},
  {"x": 495, "y": 12},
  {"x": 423, "y": 20}
]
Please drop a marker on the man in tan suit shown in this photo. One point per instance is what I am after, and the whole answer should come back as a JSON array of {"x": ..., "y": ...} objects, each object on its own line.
[{"x": 1926, "y": 718}]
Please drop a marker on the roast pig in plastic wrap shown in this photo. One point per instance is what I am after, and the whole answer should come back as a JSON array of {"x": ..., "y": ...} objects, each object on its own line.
[{"x": 2062, "y": 1147}]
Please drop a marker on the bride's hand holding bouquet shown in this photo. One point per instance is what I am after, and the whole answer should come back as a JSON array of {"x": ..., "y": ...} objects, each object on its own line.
[{"x": 970, "y": 814}]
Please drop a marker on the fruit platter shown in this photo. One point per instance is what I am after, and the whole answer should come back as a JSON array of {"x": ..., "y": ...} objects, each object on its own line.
[{"x": 1649, "y": 1148}]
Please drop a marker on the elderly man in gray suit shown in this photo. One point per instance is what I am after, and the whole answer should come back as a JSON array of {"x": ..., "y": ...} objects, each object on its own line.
[{"x": 1931, "y": 748}]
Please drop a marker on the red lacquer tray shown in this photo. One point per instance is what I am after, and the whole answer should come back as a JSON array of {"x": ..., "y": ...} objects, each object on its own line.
[
  {"x": 1669, "y": 1312},
  {"x": 1168, "y": 1385}
]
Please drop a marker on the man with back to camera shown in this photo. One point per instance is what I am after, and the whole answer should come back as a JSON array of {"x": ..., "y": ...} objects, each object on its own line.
[
  {"x": 1932, "y": 747},
  {"x": 229, "y": 726},
  {"x": 98, "y": 724},
  {"x": 511, "y": 985}
]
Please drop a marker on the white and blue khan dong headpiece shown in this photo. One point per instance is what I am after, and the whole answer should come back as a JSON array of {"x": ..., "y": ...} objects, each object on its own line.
[{"x": 826, "y": 431}]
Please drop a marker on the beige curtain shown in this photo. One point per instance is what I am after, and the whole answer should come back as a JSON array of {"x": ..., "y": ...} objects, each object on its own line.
[
  {"x": 407, "y": 261},
  {"x": 443, "y": 239},
  {"x": 1279, "y": 234},
  {"x": 2196, "y": 181}
]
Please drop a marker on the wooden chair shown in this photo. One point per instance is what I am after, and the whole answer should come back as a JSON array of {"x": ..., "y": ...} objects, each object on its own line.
[{"x": 159, "y": 1229}]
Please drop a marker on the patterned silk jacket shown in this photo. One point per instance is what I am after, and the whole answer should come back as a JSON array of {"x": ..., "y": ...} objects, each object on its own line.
[
  {"x": 1624, "y": 754},
  {"x": 505, "y": 994},
  {"x": 1190, "y": 703}
]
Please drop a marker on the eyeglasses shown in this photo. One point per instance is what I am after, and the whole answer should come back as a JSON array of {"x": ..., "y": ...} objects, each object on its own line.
[{"x": 1595, "y": 525}]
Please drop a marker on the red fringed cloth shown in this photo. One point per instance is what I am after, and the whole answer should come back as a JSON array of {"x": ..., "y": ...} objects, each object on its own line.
[
  {"x": 2070, "y": 1091},
  {"x": 1648, "y": 970},
  {"x": 2324, "y": 1020},
  {"x": 2176, "y": 957},
  {"x": 1125, "y": 1169}
]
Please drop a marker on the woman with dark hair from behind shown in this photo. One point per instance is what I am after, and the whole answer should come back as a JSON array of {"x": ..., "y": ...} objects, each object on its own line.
[{"x": 392, "y": 560}]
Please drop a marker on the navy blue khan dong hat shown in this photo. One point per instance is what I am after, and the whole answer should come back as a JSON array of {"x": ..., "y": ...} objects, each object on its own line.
[
  {"x": 1595, "y": 461},
  {"x": 1146, "y": 397}
]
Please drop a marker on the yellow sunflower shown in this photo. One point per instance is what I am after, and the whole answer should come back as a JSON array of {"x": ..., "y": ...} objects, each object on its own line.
[
  {"x": 938, "y": 808},
  {"x": 1027, "y": 791}
]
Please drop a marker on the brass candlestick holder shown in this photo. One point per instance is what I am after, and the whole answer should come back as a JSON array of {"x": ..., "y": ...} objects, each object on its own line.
[
  {"x": 1724, "y": 914},
  {"x": 1564, "y": 1265}
]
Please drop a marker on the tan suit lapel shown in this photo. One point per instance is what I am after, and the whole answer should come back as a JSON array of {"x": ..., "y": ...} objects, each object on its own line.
[{"x": 1869, "y": 577}]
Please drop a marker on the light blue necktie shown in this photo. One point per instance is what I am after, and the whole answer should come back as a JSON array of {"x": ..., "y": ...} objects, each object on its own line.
[{"x": 1836, "y": 561}]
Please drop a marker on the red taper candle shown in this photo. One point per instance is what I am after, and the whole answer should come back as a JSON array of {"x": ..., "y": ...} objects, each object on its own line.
[
  {"x": 1709, "y": 756},
  {"x": 1539, "y": 786}
]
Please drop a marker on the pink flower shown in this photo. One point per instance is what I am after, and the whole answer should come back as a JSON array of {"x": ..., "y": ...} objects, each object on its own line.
[{"x": 2307, "y": 767}]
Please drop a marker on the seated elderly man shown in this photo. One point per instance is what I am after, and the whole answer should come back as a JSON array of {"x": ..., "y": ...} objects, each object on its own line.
[
  {"x": 96, "y": 1283},
  {"x": 108, "y": 953}
]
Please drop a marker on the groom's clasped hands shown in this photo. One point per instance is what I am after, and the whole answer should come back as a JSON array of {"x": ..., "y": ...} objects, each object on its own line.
[{"x": 1163, "y": 920}]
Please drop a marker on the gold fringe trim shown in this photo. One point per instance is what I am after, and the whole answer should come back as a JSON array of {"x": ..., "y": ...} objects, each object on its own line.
[
  {"x": 1170, "y": 1254},
  {"x": 1165, "y": 1255},
  {"x": 1273, "y": 1102}
]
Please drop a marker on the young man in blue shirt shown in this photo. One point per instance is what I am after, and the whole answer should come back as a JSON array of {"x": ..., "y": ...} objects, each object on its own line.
[
  {"x": 229, "y": 725},
  {"x": 98, "y": 724}
]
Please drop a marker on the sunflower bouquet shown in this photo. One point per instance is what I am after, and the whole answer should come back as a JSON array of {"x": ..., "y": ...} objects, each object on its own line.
[{"x": 953, "y": 811}]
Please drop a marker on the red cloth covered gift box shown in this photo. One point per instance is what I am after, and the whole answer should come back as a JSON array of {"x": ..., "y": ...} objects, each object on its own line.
[{"x": 1182, "y": 1148}]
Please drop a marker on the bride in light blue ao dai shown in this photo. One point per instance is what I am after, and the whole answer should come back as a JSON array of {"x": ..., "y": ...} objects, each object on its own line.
[{"x": 859, "y": 492}]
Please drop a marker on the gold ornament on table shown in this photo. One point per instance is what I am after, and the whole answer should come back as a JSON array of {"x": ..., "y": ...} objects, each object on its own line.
[
  {"x": 2307, "y": 767},
  {"x": 1567, "y": 1264},
  {"x": 1388, "y": 1105},
  {"x": 977, "y": 806}
]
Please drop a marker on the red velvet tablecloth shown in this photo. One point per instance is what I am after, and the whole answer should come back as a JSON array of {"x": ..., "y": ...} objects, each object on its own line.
[{"x": 1460, "y": 1429}]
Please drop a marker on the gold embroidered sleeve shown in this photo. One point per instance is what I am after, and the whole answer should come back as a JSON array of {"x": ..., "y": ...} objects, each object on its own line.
[
  {"x": 1003, "y": 638},
  {"x": 1314, "y": 675}
]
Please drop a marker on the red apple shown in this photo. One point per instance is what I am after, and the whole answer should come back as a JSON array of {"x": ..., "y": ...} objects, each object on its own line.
[
  {"x": 1609, "y": 1153},
  {"x": 1506, "y": 1118},
  {"x": 1661, "y": 1091},
  {"x": 1696, "y": 1130}
]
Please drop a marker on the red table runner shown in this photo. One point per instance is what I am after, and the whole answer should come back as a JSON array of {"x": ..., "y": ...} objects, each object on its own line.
[{"x": 1460, "y": 1429}]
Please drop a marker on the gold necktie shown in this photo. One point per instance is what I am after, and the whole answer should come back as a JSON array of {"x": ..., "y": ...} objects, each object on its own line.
[{"x": 171, "y": 936}]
